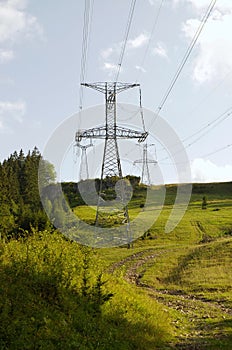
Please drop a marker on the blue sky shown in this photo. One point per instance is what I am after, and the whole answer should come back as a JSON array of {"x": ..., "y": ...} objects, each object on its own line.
[{"x": 40, "y": 53}]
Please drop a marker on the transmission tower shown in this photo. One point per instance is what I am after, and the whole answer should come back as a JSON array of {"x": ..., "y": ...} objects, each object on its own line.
[
  {"x": 84, "y": 170},
  {"x": 111, "y": 132},
  {"x": 146, "y": 179}
]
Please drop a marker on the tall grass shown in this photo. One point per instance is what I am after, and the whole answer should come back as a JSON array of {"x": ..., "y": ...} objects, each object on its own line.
[{"x": 54, "y": 294}]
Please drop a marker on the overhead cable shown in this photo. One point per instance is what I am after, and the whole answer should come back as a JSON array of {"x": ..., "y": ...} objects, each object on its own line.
[
  {"x": 201, "y": 156},
  {"x": 129, "y": 21},
  {"x": 186, "y": 56},
  {"x": 152, "y": 34},
  {"x": 210, "y": 125},
  {"x": 88, "y": 13}
]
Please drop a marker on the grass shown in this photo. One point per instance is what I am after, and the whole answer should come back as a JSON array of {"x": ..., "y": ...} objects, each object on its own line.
[
  {"x": 43, "y": 306},
  {"x": 196, "y": 284},
  {"x": 171, "y": 291},
  {"x": 190, "y": 274}
]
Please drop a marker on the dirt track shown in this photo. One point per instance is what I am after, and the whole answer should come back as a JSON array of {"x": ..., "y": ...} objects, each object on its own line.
[{"x": 190, "y": 306}]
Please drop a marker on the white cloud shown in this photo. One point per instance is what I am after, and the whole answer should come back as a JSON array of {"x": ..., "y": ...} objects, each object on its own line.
[
  {"x": 115, "y": 49},
  {"x": 139, "y": 41},
  {"x": 151, "y": 2},
  {"x": 198, "y": 5},
  {"x": 11, "y": 111},
  {"x": 107, "y": 53},
  {"x": 12, "y": 106},
  {"x": 140, "y": 68},
  {"x": 20, "y": 4},
  {"x": 16, "y": 24},
  {"x": 214, "y": 46},
  {"x": 207, "y": 171},
  {"x": 160, "y": 50},
  {"x": 6, "y": 55},
  {"x": 111, "y": 54},
  {"x": 110, "y": 68},
  {"x": 214, "y": 58}
]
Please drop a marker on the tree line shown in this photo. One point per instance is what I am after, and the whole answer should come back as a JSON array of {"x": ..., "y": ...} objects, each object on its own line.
[{"x": 20, "y": 205}]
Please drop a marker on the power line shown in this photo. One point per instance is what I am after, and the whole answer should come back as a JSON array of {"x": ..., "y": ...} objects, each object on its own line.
[
  {"x": 129, "y": 21},
  {"x": 87, "y": 22},
  {"x": 218, "y": 120},
  {"x": 138, "y": 111},
  {"x": 215, "y": 87},
  {"x": 212, "y": 124},
  {"x": 225, "y": 115},
  {"x": 201, "y": 156},
  {"x": 216, "y": 151},
  {"x": 228, "y": 74},
  {"x": 186, "y": 56},
  {"x": 152, "y": 34},
  {"x": 188, "y": 52},
  {"x": 88, "y": 14},
  {"x": 141, "y": 109}
]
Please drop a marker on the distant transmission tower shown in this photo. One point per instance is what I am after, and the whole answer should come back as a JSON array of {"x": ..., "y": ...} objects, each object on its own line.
[
  {"x": 146, "y": 178},
  {"x": 111, "y": 132},
  {"x": 84, "y": 169}
]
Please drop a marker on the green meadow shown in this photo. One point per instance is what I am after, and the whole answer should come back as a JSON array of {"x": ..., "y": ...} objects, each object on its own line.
[{"x": 168, "y": 291}]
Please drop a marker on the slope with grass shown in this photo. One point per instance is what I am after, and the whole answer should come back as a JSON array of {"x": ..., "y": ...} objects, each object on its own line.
[
  {"x": 188, "y": 271},
  {"x": 171, "y": 291},
  {"x": 54, "y": 294}
]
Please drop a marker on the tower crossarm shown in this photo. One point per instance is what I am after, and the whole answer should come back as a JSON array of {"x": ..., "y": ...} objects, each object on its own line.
[
  {"x": 114, "y": 87},
  {"x": 104, "y": 132},
  {"x": 125, "y": 133},
  {"x": 94, "y": 133},
  {"x": 151, "y": 161}
]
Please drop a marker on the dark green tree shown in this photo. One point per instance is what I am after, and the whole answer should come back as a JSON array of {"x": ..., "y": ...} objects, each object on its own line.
[
  {"x": 20, "y": 205},
  {"x": 204, "y": 203}
]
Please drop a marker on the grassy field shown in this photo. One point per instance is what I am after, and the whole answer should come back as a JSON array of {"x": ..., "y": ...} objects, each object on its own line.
[
  {"x": 189, "y": 271},
  {"x": 170, "y": 291}
]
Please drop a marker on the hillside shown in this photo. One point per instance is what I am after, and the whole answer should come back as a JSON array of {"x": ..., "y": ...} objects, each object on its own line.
[
  {"x": 170, "y": 291},
  {"x": 212, "y": 191}
]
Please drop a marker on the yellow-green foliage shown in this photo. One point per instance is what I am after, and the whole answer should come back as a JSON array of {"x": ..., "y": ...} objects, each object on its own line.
[
  {"x": 56, "y": 294},
  {"x": 208, "y": 267},
  {"x": 44, "y": 304},
  {"x": 148, "y": 324}
]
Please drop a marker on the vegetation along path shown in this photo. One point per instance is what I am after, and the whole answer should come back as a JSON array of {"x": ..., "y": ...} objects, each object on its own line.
[{"x": 193, "y": 315}]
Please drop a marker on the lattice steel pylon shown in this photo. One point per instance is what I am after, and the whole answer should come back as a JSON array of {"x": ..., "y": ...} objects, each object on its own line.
[
  {"x": 84, "y": 169},
  {"x": 111, "y": 132},
  {"x": 146, "y": 178}
]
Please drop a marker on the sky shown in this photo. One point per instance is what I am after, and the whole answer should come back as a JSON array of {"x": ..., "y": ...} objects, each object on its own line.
[{"x": 40, "y": 66}]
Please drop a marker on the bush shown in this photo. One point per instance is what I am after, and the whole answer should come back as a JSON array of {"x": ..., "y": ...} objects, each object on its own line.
[
  {"x": 206, "y": 238},
  {"x": 53, "y": 296}
]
